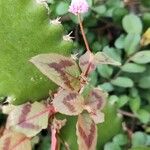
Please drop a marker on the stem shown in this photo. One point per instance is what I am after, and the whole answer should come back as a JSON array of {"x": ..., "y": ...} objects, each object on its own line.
[
  {"x": 126, "y": 113},
  {"x": 54, "y": 141},
  {"x": 83, "y": 33}
]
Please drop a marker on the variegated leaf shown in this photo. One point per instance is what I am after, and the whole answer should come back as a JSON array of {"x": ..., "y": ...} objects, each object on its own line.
[
  {"x": 14, "y": 141},
  {"x": 96, "y": 99},
  {"x": 60, "y": 69},
  {"x": 97, "y": 116},
  {"x": 85, "y": 61},
  {"x": 102, "y": 58},
  {"x": 68, "y": 102},
  {"x": 86, "y": 132},
  {"x": 28, "y": 119}
]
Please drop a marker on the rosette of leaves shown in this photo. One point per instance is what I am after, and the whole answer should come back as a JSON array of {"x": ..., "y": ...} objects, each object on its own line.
[{"x": 26, "y": 30}]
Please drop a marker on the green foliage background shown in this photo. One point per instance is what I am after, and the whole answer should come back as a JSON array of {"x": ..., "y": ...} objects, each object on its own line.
[{"x": 114, "y": 27}]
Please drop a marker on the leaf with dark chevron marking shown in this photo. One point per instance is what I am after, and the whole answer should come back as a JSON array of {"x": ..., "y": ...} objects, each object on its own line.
[
  {"x": 14, "y": 141},
  {"x": 68, "y": 102},
  {"x": 94, "y": 103},
  {"x": 28, "y": 119},
  {"x": 60, "y": 69},
  {"x": 86, "y": 132}
]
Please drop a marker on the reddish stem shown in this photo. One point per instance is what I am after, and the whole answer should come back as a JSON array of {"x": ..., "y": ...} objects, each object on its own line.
[{"x": 54, "y": 141}]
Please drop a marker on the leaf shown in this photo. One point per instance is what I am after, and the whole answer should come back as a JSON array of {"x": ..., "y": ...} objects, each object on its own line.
[
  {"x": 94, "y": 103},
  {"x": 146, "y": 38},
  {"x": 30, "y": 32},
  {"x": 120, "y": 139},
  {"x": 60, "y": 69},
  {"x": 123, "y": 82},
  {"x": 119, "y": 43},
  {"x": 134, "y": 104},
  {"x": 112, "y": 146},
  {"x": 14, "y": 141},
  {"x": 132, "y": 24},
  {"x": 105, "y": 71},
  {"x": 142, "y": 57},
  {"x": 87, "y": 61},
  {"x": 102, "y": 58},
  {"x": 144, "y": 82},
  {"x": 28, "y": 119},
  {"x": 133, "y": 68},
  {"x": 62, "y": 8},
  {"x": 68, "y": 102},
  {"x": 131, "y": 43},
  {"x": 86, "y": 132}
]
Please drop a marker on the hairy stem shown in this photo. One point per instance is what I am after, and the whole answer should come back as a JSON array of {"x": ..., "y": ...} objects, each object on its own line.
[{"x": 54, "y": 141}]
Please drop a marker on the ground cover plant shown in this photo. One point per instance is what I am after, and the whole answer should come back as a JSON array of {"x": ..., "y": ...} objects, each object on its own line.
[{"x": 75, "y": 74}]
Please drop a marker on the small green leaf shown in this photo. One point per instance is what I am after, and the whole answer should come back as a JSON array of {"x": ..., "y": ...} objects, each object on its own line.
[
  {"x": 108, "y": 87},
  {"x": 122, "y": 100},
  {"x": 119, "y": 43},
  {"x": 142, "y": 57},
  {"x": 143, "y": 115},
  {"x": 123, "y": 82},
  {"x": 131, "y": 43},
  {"x": 62, "y": 8},
  {"x": 133, "y": 68},
  {"x": 112, "y": 146},
  {"x": 139, "y": 139},
  {"x": 101, "y": 9},
  {"x": 132, "y": 24},
  {"x": 120, "y": 139},
  {"x": 144, "y": 82},
  {"x": 134, "y": 104},
  {"x": 105, "y": 70}
]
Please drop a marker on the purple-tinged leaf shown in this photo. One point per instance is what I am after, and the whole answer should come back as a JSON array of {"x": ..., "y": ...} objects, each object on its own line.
[
  {"x": 97, "y": 116},
  {"x": 86, "y": 62},
  {"x": 28, "y": 119},
  {"x": 60, "y": 69},
  {"x": 14, "y": 141},
  {"x": 86, "y": 132},
  {"x": 101, "y": 58},
  {"x": 96, "y": 99},
  {"x": 68, "y": 102}
]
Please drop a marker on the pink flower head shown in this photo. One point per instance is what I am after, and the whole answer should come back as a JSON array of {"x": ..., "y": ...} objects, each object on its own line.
[{"x": 78, "y": 6}]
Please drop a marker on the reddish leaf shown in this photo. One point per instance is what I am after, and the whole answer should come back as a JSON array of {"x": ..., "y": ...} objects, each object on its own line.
[
  {"x": 96, "y": 102},
  {"x": 14, "y": 141},
  {"x": 86, "y": 132},
  {"x": 68, "y": 102},
  {"x": 86, "y": 62},
  {"x": 61, "y": 70},
  {"x": 97, "y": 116},
  {"x": 96, "y": 99},
  {"x": 28, "y": 119}
]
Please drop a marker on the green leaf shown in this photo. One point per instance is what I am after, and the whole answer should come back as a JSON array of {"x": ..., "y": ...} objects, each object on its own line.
[
  {"x": 122, "y": 100},
  {"x": 132, "y": 24},
  {"x": 133, "y": 68},
  {"x": 123, "y": 82},
  {"x": 62, "y": 8},
  {"x": 119, "y": 43},
  {"x": 29, "y": 32},
  {"x": 144, "y": 82},
  {"x": 140, "y": 148},
  {"x": 143, "y": 115},
  {"x": 112, "y": 146},
  {"x": 108, "y": 87},
  {"x": 139, "y": 139},
  {"x": 120, "y": 139},
  {"x": 104, "y": 71},
  {"x": 131, "y": 43},
  {"x": 101, "y": 9},
  {"x": 142, "y": 57},
  {"x": 134, "y": 104}
]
